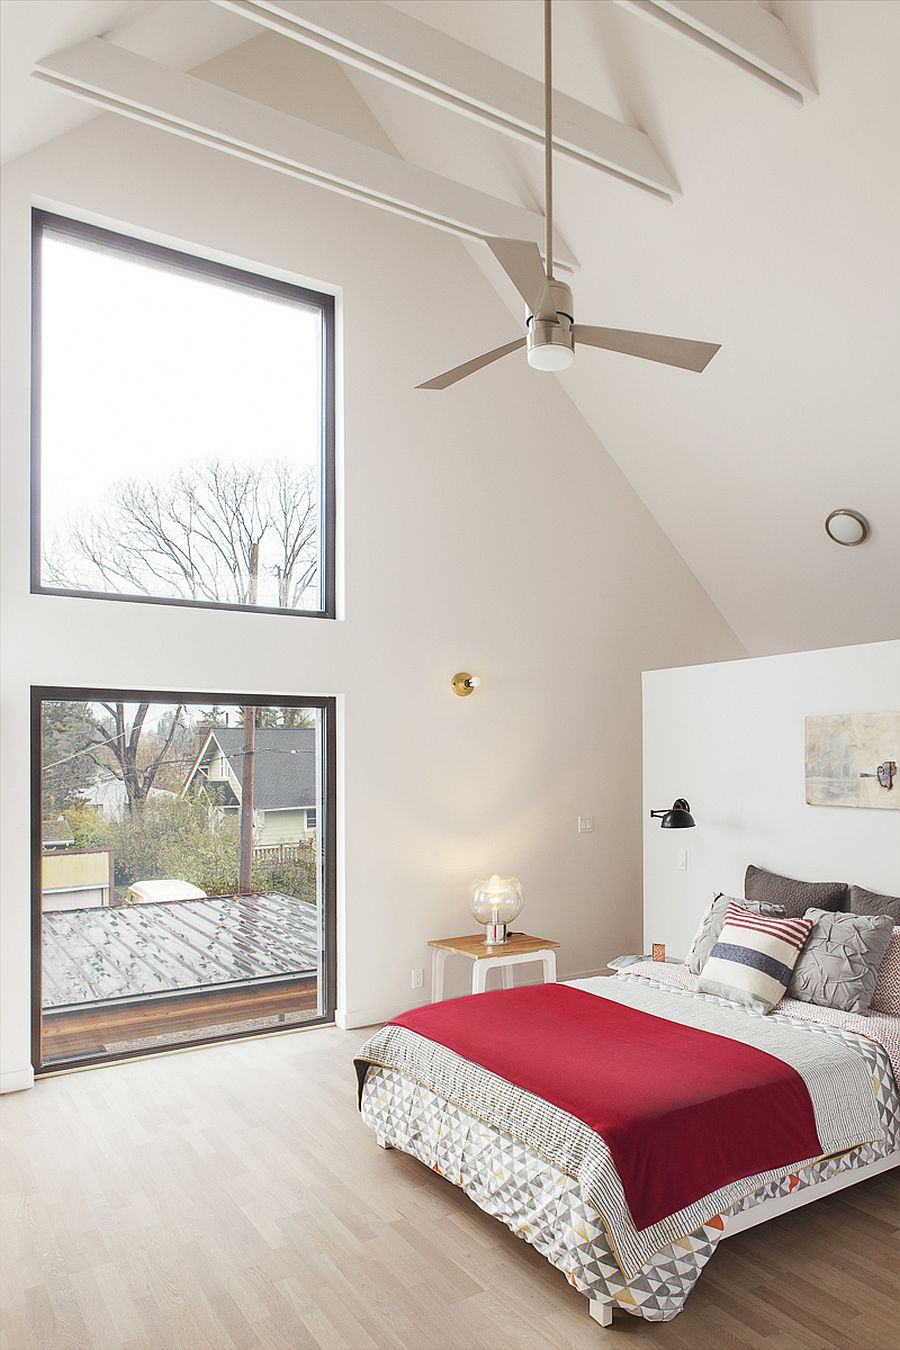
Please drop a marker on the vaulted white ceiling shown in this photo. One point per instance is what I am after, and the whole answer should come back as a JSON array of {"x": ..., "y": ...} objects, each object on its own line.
[
  {"x": 181, "y": 33},
  {"x": 783, "y": 247}
]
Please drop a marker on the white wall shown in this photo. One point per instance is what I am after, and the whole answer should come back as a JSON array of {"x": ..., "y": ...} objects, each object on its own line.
[
  {"x": 730, "y": 738},
  {"x": 486, "y": 529}
]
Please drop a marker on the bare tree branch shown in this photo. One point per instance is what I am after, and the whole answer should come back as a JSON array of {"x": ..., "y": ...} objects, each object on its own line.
[
  {"x": 193, "y": 534},
  {"x": 154, "y": 765}
]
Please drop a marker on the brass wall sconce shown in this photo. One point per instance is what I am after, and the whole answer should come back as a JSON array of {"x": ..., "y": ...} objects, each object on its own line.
[{"x": 464, "y": 684}]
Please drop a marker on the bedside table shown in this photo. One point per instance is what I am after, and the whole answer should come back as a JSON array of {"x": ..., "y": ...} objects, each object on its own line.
[
  {"x": 519, "y": 948},
  {"x": 623, "y": 962}
]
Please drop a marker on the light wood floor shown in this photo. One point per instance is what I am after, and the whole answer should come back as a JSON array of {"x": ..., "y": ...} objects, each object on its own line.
[{"x": 229, "y": 1198}]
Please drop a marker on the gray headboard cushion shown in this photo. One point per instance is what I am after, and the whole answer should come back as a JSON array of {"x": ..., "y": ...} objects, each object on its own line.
[
  {"x": 870, "y": 902},
  {"x": 795, "y": 896}
]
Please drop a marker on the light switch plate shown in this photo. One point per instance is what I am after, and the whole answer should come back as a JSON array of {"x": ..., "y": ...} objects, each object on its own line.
[{"x": 585, "y": 824}]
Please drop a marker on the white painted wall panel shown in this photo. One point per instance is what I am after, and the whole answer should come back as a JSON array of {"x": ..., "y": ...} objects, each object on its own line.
[{"x": 730, "y": 738}]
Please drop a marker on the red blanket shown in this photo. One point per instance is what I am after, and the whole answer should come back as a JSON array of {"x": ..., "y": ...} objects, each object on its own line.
[{"x": 682, "y": 1111}]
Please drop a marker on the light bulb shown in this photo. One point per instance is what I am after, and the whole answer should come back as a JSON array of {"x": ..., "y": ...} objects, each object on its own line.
[
  {"x": 495, "y": 902},
  {"x": 550, "y": 356}
]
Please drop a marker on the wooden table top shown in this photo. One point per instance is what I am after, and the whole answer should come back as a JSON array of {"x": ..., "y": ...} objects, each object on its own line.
[{"x": 474, "y": 945}]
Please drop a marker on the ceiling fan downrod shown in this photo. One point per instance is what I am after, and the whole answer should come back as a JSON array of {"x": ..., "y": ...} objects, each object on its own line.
[
  {"x": 548, "y": 138},
  {"x": 550, "y": 344}
]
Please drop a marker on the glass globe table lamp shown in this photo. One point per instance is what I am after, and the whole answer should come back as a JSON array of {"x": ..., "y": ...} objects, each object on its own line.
[{"x": 496, "y": 902}]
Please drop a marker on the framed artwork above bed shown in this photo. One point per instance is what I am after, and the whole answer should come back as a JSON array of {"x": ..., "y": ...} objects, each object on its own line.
[{"x": 852, "y": 760}]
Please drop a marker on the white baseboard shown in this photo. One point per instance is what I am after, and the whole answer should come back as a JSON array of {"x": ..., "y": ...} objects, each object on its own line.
[
  {"x": 348, "y": 1019},
  {"x": 17, "y": 1080}
]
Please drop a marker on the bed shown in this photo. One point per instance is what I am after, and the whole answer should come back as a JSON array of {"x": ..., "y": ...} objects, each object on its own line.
[{"x": 619, "y": 1197}]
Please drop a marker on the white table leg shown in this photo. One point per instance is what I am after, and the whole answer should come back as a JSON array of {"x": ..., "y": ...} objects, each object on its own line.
[
  {"x": 548, "y": 961},
  {"x": 480, "y": 972},
  {"x": 506, "y": 975},
  {"x": 438, "y": 961}
]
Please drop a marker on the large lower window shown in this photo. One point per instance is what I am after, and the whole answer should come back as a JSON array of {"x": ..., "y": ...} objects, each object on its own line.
[
  {"x": 183, "y": 884},
  {"x": 183, "y": 427}
]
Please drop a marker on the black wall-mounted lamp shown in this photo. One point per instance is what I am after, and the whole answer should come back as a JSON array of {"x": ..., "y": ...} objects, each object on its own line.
[{"x": 678, "y": 816}]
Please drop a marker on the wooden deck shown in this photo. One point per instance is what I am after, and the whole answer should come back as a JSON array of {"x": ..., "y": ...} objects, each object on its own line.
[{"x": 109, "y": 1029}]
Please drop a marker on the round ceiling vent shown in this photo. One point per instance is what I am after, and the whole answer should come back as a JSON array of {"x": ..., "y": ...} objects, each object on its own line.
[{"x": 847, "y": 527}]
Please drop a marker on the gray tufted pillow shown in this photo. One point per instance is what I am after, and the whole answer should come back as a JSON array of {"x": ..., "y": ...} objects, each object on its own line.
[
  {"x": 795, "y": 896},
  {"x": 707, "y": 934},
  {"x": 838, "y": 966},
  {"x": 870, "y": 902}
]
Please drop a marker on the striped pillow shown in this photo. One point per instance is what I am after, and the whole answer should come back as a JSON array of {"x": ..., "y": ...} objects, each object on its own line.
[{"x": 754, "y": 958}]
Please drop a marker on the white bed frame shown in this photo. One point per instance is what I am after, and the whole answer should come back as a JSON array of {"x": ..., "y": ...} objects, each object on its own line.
[{"x": 601, "y": 1310}]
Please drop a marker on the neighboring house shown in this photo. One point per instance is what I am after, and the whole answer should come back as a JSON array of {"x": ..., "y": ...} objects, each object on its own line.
[
  {"x": 110, "y": 797},
  {"x": 284, "y": 779}
]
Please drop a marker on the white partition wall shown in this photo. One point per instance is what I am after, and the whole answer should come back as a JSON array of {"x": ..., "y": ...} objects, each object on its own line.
[{"x": 730, "y": 738}]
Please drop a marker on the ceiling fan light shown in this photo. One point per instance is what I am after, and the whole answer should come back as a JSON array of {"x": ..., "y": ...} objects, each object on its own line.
[{"x": 551, "y": 356}]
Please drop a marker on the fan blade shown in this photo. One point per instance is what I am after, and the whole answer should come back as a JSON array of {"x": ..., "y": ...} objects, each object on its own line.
[
  {"x": 469, "y": 367},
  {"x": 521, "y": 261},
  {"x": 682, "y": 352}
]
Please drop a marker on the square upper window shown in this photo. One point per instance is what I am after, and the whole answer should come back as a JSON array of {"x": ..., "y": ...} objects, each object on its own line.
[{"x": 183, "y": 428}]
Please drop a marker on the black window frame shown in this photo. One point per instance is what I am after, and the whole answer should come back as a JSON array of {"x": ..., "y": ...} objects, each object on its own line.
[
  {"x": 327, "y": 833},
  {"x": 191, "y": 264}
]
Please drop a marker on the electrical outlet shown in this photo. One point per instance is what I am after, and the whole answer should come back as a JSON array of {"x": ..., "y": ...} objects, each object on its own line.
[
  {"x": 418, "y": 978},
  {"x": 585, "y": 824}
]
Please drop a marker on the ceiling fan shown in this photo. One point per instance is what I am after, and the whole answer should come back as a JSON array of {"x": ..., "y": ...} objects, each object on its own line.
[{"x": 551, "y": 332}]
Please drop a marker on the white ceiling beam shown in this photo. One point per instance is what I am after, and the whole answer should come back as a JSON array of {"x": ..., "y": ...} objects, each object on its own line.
[
  {"x": 120, "y": 81},
  {"x": 390, "y": 45},
  {"x": 741, "y": 32}
]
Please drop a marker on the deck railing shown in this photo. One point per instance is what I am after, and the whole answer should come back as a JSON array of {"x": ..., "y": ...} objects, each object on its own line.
[{"x": 281, "y": 853}]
